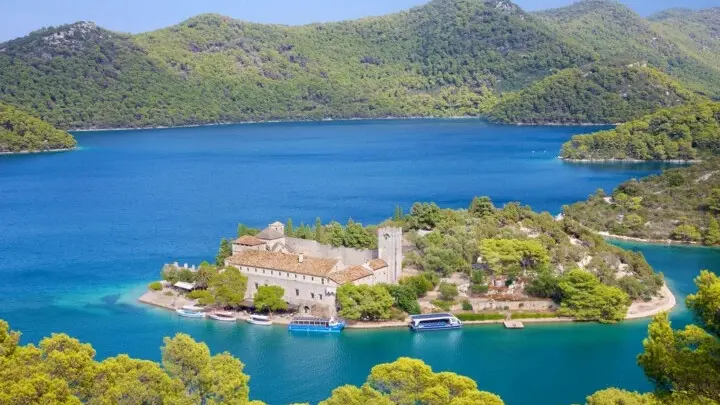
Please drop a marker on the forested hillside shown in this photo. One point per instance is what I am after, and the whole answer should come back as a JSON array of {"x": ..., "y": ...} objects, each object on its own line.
[
  {"x": 445, "y": 58},
  {"x": 618, "y": 35},
  {"x": 680, "y": 133},
  {"x": 21, "y": 132},
  {"x": 597, "y": 95},
  {"x": 681, "y": 204}
]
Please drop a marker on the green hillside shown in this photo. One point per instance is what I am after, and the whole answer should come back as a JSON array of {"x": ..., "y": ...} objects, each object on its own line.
[
  {"x": 21, "y": 132},
  {"x": 680, "y": 204},
  {"x": 448, "y": 57},
  {"x": 620, "y": 36},
  {"x": 597, "y": 95},
  {"x": 680, "y": 133},
  {"x": 445, "y": 58}
]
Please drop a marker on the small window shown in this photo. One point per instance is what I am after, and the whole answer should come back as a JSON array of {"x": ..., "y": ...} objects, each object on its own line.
[
  {"x": 263, "y": 271},
  {"x": 297, "y": 292},
  {"x": 312, "y": 295},
  {"x": 303, "y": 277},
  {"x": 312, "y": 278},
  {"x": 322, "y": 280},
  {"x": 296, "y": 276},
  {"x": 257, "y": 286},
  {"x": 320, "y": 297}
]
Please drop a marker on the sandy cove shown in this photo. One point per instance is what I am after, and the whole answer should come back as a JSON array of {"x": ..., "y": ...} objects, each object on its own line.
[{"x": 637, "y": 310}]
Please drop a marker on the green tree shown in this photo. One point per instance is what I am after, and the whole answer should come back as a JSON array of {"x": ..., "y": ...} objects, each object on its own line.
[
  {"x": 398, "y": 215},
  {"x": 683, "y": 362},
  {"x": 502, "y": 254},
  {"x": 224, "y": 252},
  {"x": 335, "y": 234},
  {"x": 222, "y": 381},
  {"x": 713, "y": 201},
  {"x": 404, "y": 297},
  {"x": 705, "y": 304},
  {"x": 364, "y": 302},
  {"x": 350, "y": 395},
  {"x": 686, "y": 233},
  {"x": 424, "y": 216},
  {"x": 319, "y": 231},
  {"x": 481, "y": 207},
  {"x": 126, "y": 381},
  {"x": 585, "y": 298},
  {"x": 614, "y": 396},
  {"x": 421, "y": 283},
  {"x": 270, "y": 298},
  {"x": 228, "y": 286},
  {"x": 185, "y": 359},
  {"x": 205, "y": 273},
  {"x": 712, "y": 234},
  {"x": 289, "y": 228},
  {"x": 244, "y": 230}
]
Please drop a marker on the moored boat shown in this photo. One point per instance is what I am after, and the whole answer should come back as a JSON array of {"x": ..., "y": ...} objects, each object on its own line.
[
  {"x": 441, "y": 321},
  {"x": 259, "y": 320},
  {"x": 312, "y": 324},
  {"x": 191, "y": 311},
  {"x": 223, "y": 316}
]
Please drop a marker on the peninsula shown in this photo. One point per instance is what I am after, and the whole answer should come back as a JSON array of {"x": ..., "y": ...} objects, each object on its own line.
[
  {"x": 22, "y": 133},
  {"x": 484, "y": 263}
]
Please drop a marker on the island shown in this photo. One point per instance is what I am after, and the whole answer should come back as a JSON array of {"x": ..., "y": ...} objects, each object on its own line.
[
  {"x": 485, "y": 263},
  {"x": 22, "y": 133}
]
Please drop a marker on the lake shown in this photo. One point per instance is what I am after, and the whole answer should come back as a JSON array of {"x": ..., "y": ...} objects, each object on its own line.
[{"x": 83, "y": 232}]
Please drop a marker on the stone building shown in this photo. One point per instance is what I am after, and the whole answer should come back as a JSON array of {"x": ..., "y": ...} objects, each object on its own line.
[{"x": 311, "y": 272}]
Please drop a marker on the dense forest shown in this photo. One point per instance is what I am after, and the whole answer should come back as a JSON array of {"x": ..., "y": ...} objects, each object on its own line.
[
  {"x": 446, "y": 58},
  {"x": 680, "y": 133},
  {"x": 21, "y": 132},
  {"x": 680, "y": 204},
  {"x": 61, "y": 370},
  {"x": 617, "y": 35},
  {"x": 598, "y": 95}
]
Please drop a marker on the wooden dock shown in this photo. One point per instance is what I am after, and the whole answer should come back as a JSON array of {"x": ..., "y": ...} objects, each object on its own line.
[{"x": 513, "y": 325}]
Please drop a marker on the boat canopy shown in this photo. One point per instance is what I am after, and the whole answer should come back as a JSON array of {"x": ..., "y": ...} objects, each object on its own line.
[
  {"x": 192, "y": 308},
  {"x": 431, "y": 317},
  {"x": 260, "y": 317}
]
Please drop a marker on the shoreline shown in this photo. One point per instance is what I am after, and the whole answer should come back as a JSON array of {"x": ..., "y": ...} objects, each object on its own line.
[
  {"x": 31, "y": 152},
  {"x": 614, "y": 160},
  {"x": 388, "y": 118},
  {"x": 637, "y": 310},
  {"x": 608, "y": 235}
]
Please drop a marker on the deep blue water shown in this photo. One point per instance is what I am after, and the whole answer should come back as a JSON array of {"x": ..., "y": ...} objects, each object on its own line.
[{"x": 81, "y": 234}]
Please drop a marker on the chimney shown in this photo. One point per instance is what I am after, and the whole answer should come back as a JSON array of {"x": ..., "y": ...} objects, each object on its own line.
[{"x": 301, "y": 256}]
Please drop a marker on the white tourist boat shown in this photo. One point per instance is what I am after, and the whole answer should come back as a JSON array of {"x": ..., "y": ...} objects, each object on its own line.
[
  {"x": 191, "y": 311},
  {"x": 223, "y": 316},
  {"x": 259, "y": 320}
]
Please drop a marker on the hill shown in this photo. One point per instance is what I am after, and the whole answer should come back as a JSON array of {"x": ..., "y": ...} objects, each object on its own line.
[
  {"x": 21, "y": 132},
  {"x": 620, "y": 36},
  {"x": 445, "y": 58},
  {"x": 681, "y": 204},
  {"x": 680, "y": 133},
  {"x": 598, "y": 95},
  {"x": 449, "y": 57}
]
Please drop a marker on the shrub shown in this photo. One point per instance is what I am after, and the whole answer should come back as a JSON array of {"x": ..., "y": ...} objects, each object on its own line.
[
  {"x": 483, "y": 316},
  {"x": 442, "y": 305},
  {"x": 467, "y": 306},
  {"x": 531, "y": 315},
  {"x": 155, "y": 286},
  {"x": 478, "y": 289},
  {"x": 204, "y": 297},
  {"x": 448, "y": 291}
]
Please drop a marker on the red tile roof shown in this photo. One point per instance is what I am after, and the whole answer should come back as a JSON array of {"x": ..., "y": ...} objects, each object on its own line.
[{"x": 248, "y": 240}]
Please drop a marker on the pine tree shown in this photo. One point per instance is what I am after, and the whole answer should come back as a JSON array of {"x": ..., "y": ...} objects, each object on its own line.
[
  {"x": 712, "y": 234},
  {"x": 224, "y": 252},
  {"x": 289, "y": 227}
]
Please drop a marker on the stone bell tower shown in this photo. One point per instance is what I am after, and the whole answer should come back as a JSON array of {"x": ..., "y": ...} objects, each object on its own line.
[{"x": 390, "y": 250}]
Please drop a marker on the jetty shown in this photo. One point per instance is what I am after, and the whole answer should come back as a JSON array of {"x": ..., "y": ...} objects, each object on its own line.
[{"x": 513, "y": 325}]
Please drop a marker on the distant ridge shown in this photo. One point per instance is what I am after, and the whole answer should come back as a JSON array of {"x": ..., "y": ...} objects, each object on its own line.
[{"x": 445, "y": 58}]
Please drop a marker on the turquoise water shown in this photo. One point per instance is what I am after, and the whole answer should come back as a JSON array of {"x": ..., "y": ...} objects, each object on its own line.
[{"x": 82, "y": 233}]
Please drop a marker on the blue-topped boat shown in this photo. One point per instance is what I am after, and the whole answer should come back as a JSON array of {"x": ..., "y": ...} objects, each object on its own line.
[
  {"x": 440, "y": 321},
  {"x": 191, "y": 311},
  {"x": 312, "y": 324}
]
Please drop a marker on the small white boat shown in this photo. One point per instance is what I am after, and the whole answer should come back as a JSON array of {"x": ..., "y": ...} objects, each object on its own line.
[
  {"x": 191, "y": 311},
  {"x": 223, "y": 316},
  {"x": 259, "y": 320}
]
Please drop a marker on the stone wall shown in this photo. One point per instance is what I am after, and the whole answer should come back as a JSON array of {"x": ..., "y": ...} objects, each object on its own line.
[
  {"x": 520, "y": 305},
  {"x": 348, "y": 256}
]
